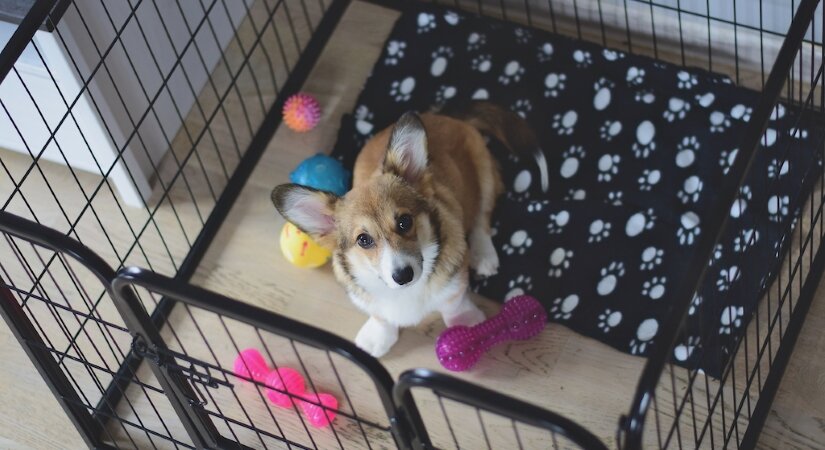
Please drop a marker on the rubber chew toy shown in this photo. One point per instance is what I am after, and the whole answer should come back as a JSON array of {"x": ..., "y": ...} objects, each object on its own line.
[
  {"x": 301, "y": 112},
  {"x": 459, "y": 348},
  {"x": 250, "y": 364}
]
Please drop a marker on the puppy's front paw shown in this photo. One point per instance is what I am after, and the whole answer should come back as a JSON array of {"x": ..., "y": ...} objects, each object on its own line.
[
  {"x": 483, "y": 257},
  {"x": 466, "y": 318},
  {"x": 376, "y": 337}
]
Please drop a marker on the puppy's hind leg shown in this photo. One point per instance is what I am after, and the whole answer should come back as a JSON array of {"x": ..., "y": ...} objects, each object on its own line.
[{"x": 483, "y": 257}]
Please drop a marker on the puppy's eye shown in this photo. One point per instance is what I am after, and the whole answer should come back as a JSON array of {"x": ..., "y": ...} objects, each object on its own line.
[
  {"x": 405, "y": 223},
  {"x": 364, "y": 240}
]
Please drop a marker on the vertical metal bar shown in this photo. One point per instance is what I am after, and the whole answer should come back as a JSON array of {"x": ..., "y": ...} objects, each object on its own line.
[
  {"x": 45, "y": 364},
  {"x": 23, "y": 35}
]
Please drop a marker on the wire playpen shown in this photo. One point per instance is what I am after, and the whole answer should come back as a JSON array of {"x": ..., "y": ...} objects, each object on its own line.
[{"x": 133, "y": 127}]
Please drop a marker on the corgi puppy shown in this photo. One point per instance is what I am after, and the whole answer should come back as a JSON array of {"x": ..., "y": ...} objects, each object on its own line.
[{"x": 416, "y": 220}]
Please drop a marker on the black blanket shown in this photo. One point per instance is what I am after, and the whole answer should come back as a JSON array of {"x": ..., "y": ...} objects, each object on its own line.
[{"x": 636, "y": 149}]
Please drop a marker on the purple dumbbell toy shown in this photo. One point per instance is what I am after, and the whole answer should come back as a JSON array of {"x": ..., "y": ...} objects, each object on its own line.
[{"x": 459, "y": 348}]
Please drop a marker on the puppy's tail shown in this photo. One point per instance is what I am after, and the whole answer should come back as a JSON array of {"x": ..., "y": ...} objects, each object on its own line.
[{"x": 506, "y": 126}]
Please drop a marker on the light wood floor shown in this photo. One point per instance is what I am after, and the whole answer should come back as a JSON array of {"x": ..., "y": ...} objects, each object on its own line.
[{"x": 577, "y": 377}]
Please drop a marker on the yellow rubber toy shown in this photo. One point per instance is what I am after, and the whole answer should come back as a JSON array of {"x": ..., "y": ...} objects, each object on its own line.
[{"x": 299, "y": 249}]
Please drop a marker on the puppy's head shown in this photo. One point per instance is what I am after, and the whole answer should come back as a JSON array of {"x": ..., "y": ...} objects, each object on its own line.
[{"x": 383, "y": 233}]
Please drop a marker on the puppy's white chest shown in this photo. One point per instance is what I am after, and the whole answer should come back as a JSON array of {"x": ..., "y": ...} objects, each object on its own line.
[{"x": 408, "y": 306}]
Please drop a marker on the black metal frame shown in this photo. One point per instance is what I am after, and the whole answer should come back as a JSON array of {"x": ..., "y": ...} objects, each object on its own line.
[{"x": 397, "y": 399}]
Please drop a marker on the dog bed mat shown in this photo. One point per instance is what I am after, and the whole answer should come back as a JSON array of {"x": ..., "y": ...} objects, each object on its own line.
[{"x": 635, "y": 150}]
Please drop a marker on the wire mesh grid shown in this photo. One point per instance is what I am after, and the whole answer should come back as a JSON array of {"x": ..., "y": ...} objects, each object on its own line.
[
  {"x": 167, "y": 96},
  {"x": 691, "y": 409},
  {"x": 76, "y": 324},
  {"x": 197, "y": 79},
  {"x": 263, "y": 383}
]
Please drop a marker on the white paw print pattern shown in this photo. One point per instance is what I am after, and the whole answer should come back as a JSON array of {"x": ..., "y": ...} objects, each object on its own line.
[
  {"x": 778, "y": 207},
  {"x": 689, "y": 228},
  {"x": 684, "y": 350},
  {"x": 395, "y": 52},
  {"x": 691, "y": 190},
  {"x": 644, "y": 336},
  {"x": 475, "y": 41},
  {"x": 545, "y": 52},
  {"x": 445, "y": 93},
  {"x": 520, "y": 285},
  {"x": 695, "y": 303},
  {"x": 651, "y": 258},
  {"x": 741, "y": 203},
  {"x": 559, "y": 262},
  {"x": 537, "y": 206},
  {"x": 512, "y": 73},
  {"x": 741, "y": 112},
  {"x": 610, "y": 129},
  {"x": 769, "y": 138},
  {"x": 639, "y": 222},
  {"x": 635, "y": 76},
  {"x": 718, "y": 122},
  {"x": 426, "y": 23},
  {"x": 575, "y": 194},
  {"x": 558, "y": 221},
  {"x": 608, "y": 167},
  {"x": 677, "y": 109},
  {"x": 482, "y": 63},
  {"x": 686, "y": 151},
  {"x": 745, "y": 239},
  {"x": 610, "y": 278},
  {"x": 609, "y": 319},
  {"x": 363, "y": 120},
  {"x": 778, "y": 111},
  {"x": 705, "y": 100},
  {"x": 599, "y": 230},
  {"x": 717, "y": 254},
  {"x": 798, "y": 133},
  {"x": 401, "y": 91},
  {"x": 727, "y": 277},
  {"x": 523, "y": 35},
  {"x": 565, "y": 123},
  {"x": 654, "y": 288},
  {"x": 520, "y": 241},
  {"x": 582, "y": 58},
  {"x": 645, "y": 96},
  {"x": 612, "y": 55},
  {"x": 480, "y": 94},
  {"x": 452, "y": 18},
  {"x": 572, "y": 160},
  {"x": 685, "y": 80},
  {"x": 554, "y": 83},
  {"x": 522, "y": 107},
  {"x": 644, "y": 144},
  {"x": 521, "y": 183},
  {"x": 648, "y": 179},
  {"x": 563, "y": 307},
  {"x": 614, "y": 198},
  {"x": 601, "y": 99},
  {"x": 441, "y": 57},
  {"x": 727, "y": 158},
  {"x": 731, "y": 319}
]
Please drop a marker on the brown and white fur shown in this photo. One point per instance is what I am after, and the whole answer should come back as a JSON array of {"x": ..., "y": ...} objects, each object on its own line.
[{"x": 423, "y": 191}]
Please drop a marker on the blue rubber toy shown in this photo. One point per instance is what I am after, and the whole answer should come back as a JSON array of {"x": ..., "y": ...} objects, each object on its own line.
[{"x": 323, "y": 173}]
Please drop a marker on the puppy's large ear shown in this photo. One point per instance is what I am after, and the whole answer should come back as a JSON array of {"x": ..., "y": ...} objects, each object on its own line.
[
  {"x": 309, "y": 209},
  {"x": 407, "y": 150}
]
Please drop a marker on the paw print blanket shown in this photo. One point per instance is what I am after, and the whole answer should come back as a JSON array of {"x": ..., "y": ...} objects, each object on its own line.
[{"x": 635, "y": 150}]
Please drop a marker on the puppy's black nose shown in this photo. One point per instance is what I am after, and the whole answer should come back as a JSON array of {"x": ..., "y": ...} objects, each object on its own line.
[{"x": 403, "y": 276}]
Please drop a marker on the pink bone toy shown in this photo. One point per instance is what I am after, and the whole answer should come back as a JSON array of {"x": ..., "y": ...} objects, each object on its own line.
[
  {"x": 459, "y": 348},
  {"x": 250, "y": 364}
]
